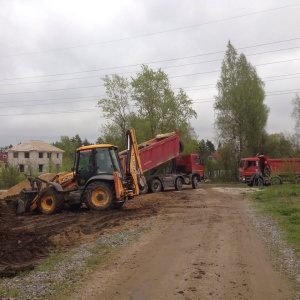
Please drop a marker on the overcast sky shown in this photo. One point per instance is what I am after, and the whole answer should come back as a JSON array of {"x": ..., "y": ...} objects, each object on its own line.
[{"x": 54, "y": 53}]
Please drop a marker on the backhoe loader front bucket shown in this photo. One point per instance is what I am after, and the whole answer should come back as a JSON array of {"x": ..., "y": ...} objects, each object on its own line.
[
  {"x": 25, "y": 200},
  {"x": 22, "y": 202}
]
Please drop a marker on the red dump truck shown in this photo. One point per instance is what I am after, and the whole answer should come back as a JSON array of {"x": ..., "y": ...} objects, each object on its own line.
[
  {"x": 262, "y": 170},
  {"x": 182, "y": 169}
]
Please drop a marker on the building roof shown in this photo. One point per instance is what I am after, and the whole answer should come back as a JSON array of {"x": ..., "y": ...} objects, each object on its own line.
[
  {"x": 35, "y": 145},
  {"x": 215, "y": 155}
]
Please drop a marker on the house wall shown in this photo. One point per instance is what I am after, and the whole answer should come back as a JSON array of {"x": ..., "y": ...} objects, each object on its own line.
[{"x": 35, "y": 163}]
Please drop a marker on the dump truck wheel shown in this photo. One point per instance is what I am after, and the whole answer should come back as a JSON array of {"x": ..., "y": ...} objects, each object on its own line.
[
  {"x": 194, "y": 182},
  {"x": 178, "y": 184},
  {"x": 276, "y": 180},
  {"x": 258, "y": 182},
  {"x": 144, "y": 190},
  {"x": 155, "y": 186},
  {"x": 99, "y": 196},
  {"x": 50, "y": 202}
]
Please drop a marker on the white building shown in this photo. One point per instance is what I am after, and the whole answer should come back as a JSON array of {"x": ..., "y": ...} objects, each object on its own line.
[{"x": 35, "y": 156}]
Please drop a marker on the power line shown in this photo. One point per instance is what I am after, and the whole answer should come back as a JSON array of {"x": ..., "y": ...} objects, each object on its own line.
[
  {"x": 50, "y": 99},
  {"x": 49, "y": 112},
  {"x": 73, "y": 88},
  {"x": 166, "y": 67},
  {"x": 153, "y": 62},
  {"x": 268, "y": 94},
  {"x": 155, "y": 33}
]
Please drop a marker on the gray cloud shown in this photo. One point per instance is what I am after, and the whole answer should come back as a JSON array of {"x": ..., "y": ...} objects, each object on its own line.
[{"x": 54, "y": 54}]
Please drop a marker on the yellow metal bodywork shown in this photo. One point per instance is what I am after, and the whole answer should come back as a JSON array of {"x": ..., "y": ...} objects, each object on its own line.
[
  {"x": 134, "y": 166},
  {"x": 123, "y": 188}
]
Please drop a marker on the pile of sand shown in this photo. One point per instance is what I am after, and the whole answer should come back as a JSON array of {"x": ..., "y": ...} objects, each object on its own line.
[{"x": 15, "y": 190}]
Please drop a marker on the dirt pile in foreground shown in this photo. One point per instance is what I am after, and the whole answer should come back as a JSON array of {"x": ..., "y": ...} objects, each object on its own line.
[{"x": 28, "y": 238}]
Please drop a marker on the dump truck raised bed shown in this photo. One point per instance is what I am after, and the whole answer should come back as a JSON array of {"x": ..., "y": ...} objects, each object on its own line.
[
  {"x": 183, "y": 169},
  {"x": 262, "y": 170}
]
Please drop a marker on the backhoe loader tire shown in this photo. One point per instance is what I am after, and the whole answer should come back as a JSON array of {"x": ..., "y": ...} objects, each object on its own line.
[
  {"x": 50, "y": 202},
  {"x": 194, "y": 182},
  {"x": 178, "y": 184},
  {"x": 155, "y": 185},
  {"x": 99, "y": 196}
]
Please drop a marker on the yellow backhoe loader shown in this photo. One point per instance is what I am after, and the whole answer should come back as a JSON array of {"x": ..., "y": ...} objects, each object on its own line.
[{"x": 97, "y": 180}]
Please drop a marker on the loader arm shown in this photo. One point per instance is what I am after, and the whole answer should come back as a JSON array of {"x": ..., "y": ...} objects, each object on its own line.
[{"x": 133, "y": 163}]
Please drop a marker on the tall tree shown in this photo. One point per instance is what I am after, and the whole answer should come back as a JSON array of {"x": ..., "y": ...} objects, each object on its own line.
[
  {"x": 295, "y": 137},
  {"x": 296, "y": 112},
  {"x": 157, "y": 105},
  {"x": 239, "y": 105},
  {"x": 276, "y": 145},
  {"x": 116, "y": 106}
]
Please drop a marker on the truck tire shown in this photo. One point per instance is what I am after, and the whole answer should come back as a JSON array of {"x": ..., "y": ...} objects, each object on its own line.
[
  {"x": 258, "y": 182},
  {"x": 194, "y": 182},
  {"x": 155, "y": 185},
  {"x": 178, "y": 184},
  {"x": 276, "y": 180},
  {"x": 50, "y": 202},
  {"x": 99, "y": 195},
  {"x": 143, "y": 190}
]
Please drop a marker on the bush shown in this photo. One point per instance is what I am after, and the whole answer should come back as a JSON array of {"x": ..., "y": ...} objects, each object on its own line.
[{"x": 10, "y": 177}]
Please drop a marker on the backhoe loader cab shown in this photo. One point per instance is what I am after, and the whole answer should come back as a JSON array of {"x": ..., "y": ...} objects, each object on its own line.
[{"x": 96, "y": 160}]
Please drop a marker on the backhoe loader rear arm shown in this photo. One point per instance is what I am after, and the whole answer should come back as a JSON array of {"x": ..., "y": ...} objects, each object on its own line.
[{"x": 133, "y": 163}]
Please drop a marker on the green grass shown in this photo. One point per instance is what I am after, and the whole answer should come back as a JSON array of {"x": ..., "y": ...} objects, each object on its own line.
[{"x": 283, "y": 202}]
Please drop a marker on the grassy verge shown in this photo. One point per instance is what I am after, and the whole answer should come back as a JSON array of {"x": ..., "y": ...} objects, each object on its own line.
[{"x": 283, "y": 202}]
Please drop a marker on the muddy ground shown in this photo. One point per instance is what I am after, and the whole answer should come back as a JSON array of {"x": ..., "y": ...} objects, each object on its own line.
[{"x": 202, "y": 245}]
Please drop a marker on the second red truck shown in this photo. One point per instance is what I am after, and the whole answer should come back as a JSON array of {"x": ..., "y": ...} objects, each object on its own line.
[{"x": 186, "y": 169}]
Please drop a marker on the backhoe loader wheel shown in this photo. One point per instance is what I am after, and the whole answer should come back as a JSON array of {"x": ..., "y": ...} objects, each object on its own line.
[
  {"x": 99, "y": 196},
  {"x": 50, "y": 202},
  {"x": 178, "y": 184}
]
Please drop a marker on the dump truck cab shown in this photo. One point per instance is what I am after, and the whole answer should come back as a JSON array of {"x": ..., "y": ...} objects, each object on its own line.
[
  {"x": 190, "y": 164},
  {"x": 256, "y": 171}
]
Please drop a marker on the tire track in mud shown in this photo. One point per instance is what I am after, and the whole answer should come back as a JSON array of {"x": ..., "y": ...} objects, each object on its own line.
[{"x": 27, "y": 239}]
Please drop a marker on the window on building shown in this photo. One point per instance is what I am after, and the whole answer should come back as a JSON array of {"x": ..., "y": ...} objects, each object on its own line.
[
  {"x": 22, "y": 168},
  {"x": 26, "y": 154},
  {"x": 41, "y": 154},
  {"x": 49, "y": 155},
  {"x": 57, "y": 155},
  {"x": 41, "y": 168},
  {"x": 16, "y": 154}
]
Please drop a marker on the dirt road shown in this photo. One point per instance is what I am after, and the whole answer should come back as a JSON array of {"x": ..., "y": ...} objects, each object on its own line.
[{"x": 201, "y": 245}]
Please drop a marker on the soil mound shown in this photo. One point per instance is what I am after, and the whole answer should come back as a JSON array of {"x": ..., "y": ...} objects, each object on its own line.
[{"x": 15, "y": 190}]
